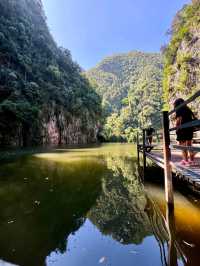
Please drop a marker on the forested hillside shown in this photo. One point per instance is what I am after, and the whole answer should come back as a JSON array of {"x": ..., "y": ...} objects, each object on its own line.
[
  {"x": 182, "y": 55},
  {"x": 44, "y": 97},
  {"x": 131, "y": 87}
]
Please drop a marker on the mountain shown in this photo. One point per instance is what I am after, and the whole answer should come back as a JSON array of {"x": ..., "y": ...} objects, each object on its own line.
[
  {"x": 182, "y": 56},
  {"x": 44, "y": 96},
  {"x": 131, "y": 87}
]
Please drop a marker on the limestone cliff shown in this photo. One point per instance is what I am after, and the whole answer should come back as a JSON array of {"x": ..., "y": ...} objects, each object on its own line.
[
  {"x": 44, "y": 96},
  {"x": 182, "y": 56}
]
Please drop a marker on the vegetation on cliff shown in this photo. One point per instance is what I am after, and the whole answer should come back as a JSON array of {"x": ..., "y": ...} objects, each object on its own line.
[
  {"x": 131, "y": 87},
  {"x": 182, "y": 55},
  {"x": 44, "y": 96}
]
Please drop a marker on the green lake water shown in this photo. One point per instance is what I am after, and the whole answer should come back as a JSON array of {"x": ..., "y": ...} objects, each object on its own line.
[{"x": 87, "y": 207}]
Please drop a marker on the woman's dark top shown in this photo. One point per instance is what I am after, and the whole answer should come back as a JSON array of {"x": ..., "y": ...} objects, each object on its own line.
[{"x": 186, "y": 116}]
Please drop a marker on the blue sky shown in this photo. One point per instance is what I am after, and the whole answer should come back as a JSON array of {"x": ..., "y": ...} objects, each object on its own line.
[{"x": 93, "y": 29}]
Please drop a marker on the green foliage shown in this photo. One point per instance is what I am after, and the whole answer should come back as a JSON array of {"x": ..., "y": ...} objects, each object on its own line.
[
  {"x": 35, "y": 73},
  {"x": 176, "y": 59},
  {"x": 131, "y": 87},
  {"x": 183, "y": 58},
  {"x": 183, "y": 77},
  {"x": 170, "y": 53}
]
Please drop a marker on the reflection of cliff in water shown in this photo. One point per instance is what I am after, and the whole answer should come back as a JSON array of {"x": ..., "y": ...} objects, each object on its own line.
[
  {"x": 41, "y": 203},
  {"x": 187, "y": 225},
  {"x": 123, "y": 210}
]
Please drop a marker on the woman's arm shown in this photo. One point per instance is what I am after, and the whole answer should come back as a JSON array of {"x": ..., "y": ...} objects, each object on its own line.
[{"x": 178, "y": 121}]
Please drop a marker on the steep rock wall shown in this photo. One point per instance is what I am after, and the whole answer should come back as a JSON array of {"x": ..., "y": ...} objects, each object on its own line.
[
  {"x": 45, "y": 98},
  {"x": 182, "y": 56}
]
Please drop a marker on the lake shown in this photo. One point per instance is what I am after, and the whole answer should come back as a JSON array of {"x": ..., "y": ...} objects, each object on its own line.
[{"x": 87, "y": 206}]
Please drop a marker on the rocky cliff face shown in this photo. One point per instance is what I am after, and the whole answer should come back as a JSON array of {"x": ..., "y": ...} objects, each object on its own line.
[
  {"x": 182, "y": 56},
  {"x": 59, "y": 127},
  {"x": 44, "y": 96}
]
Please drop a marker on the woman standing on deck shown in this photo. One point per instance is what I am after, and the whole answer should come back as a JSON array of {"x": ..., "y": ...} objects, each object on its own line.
[{"x": 184, "y": 135}]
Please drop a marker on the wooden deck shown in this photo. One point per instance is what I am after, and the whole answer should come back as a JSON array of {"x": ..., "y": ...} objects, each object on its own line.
[{"x": 189, "y": 174}]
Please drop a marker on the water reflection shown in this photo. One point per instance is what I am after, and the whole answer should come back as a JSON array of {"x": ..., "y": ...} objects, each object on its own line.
[
  {"x": 187, "y": 226},
  {"x": 88, "y": 207},
  {"x": 120, "y": 209},
  {"x": 125, "y": 212},
  {"x": 41, "y": 203},
  {"x": 170, "y": 221}
]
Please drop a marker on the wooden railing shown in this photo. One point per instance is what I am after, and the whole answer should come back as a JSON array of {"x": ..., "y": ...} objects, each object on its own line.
[{"x": 167, "y": 145}]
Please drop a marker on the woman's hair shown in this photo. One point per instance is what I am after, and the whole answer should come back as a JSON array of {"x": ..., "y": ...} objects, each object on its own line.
[
  {"x": 178, "y": 102},
  {"x": 184, "y": 108}
]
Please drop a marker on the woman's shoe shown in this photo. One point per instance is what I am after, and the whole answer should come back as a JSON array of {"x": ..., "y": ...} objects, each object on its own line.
[{"x": 184, "y": 163}]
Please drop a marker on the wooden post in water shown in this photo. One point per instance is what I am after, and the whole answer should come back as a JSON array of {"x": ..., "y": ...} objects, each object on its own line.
[
  {"x": 144, "y": 150},
  {"x": 170, "y": 220},
  {"x": 167, "y": 160}
]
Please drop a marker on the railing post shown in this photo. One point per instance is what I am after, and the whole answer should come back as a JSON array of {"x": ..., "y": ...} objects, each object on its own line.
[
  {"x": 167, "y": 160},
  {"x": 138, "y": 151},
  {"x": 144, "y": 149}
]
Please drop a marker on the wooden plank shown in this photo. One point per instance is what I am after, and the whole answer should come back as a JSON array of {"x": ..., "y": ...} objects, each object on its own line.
[
  {"x": 191, "y": 175},
  {"x": 156, "y": 160}
]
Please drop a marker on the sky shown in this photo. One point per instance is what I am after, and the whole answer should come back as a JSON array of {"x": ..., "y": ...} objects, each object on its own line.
[{"x": 94, "y": 29}]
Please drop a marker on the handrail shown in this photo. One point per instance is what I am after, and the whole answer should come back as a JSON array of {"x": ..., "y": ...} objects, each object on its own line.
[
  {"x": 191, "y": 99},
  {"x": 194, "y": 123}
]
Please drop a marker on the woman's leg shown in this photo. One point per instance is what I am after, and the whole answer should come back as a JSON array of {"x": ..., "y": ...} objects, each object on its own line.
[
  {"x": 191, "y": 153},
  {"x": 184, "y": 152},
  {"x": 150, "y": 139}
]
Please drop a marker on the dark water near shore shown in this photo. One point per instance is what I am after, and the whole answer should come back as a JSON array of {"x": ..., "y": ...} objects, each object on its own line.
[{"x": 87, "y": 207}]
